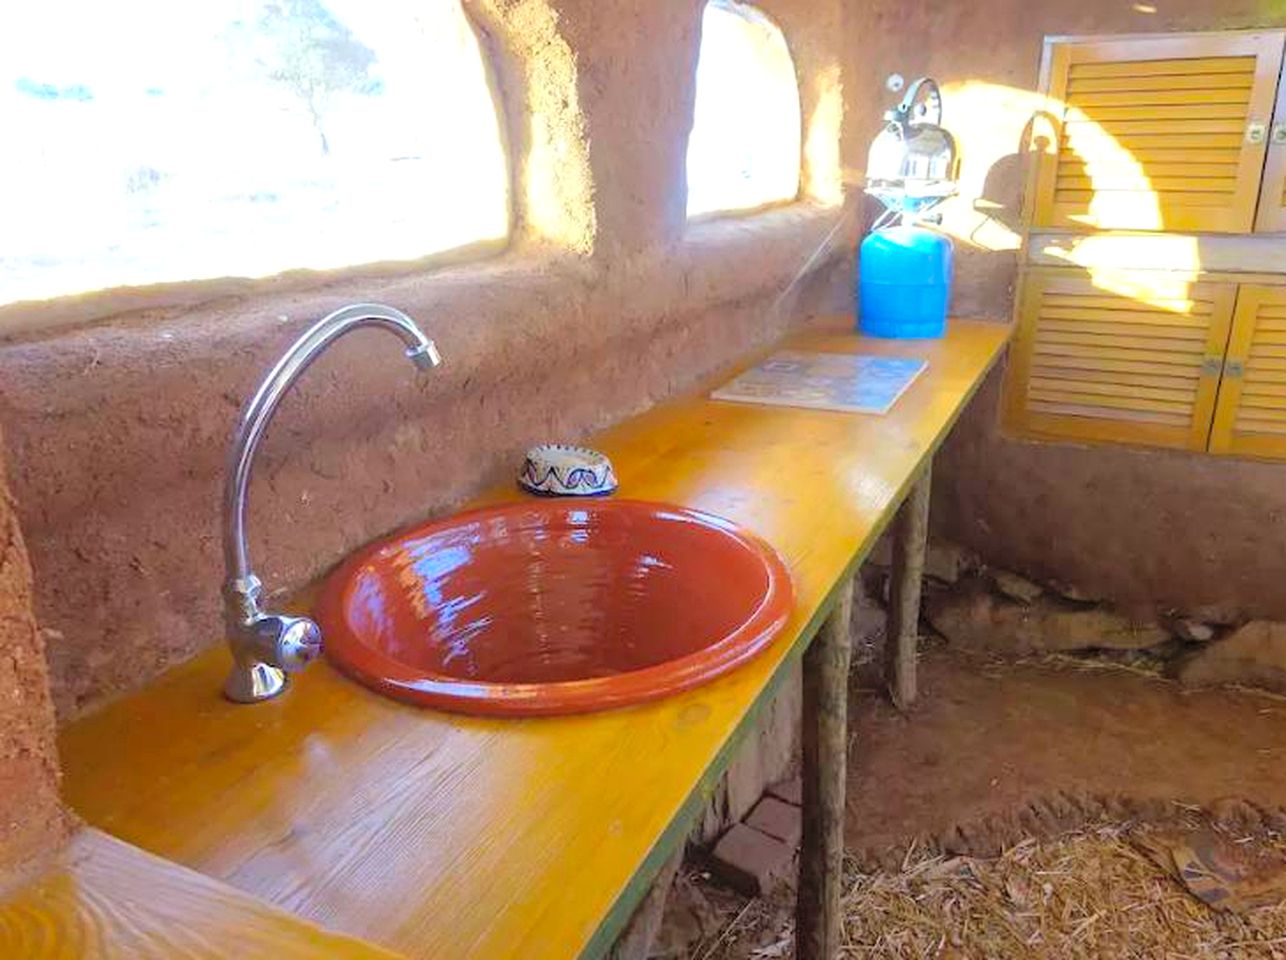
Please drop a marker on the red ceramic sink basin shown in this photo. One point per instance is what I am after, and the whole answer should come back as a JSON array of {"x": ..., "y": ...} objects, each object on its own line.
[{"x": 554, "y": 606}]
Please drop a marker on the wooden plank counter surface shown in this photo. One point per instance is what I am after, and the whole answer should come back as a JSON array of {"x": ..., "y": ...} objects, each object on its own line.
[
  {"x": 444, "y": 836},
  {"x": 106, "y": 900}
]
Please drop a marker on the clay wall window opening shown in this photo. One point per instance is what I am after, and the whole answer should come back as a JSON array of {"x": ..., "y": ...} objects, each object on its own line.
[
  {"x": 150, "y": 141},
  {"x": 744, "y": 150}
]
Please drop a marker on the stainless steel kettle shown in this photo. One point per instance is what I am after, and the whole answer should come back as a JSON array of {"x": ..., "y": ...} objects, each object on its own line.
[{"x": 913, "y": 163}]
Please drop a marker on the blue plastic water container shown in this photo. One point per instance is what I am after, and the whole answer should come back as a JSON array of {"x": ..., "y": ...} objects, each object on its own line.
[{"x": 904, "y": 283}]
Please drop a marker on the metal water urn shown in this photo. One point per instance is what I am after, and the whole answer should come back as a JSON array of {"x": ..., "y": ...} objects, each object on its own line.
[{"x": 913, "y": 163}]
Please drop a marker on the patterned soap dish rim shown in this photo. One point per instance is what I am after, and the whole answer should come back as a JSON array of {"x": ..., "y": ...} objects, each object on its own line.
[{"x": 592, "y": 476}]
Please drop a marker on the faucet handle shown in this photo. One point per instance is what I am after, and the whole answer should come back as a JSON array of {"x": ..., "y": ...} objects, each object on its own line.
[
  {"x": 298, "y": 642},
  {"x": 266, "y": 649}
]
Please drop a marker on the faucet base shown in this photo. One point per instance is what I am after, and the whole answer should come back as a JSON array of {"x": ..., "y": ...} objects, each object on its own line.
[{"x": 250, "y": 683}]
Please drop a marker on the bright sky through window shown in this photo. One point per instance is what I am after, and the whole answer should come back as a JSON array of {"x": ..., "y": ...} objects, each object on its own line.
[
  {"x": 150, "y": 141},
  {"x": 745, "y": 144}
]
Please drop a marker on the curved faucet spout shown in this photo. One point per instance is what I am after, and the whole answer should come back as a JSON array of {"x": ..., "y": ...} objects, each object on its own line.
[{"x": 266, "y": 646}]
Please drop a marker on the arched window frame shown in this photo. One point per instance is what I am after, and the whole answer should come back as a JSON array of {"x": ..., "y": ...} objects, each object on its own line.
[
  {"x": 128, "y": 265},
  {"x": 776, "y": 181}
]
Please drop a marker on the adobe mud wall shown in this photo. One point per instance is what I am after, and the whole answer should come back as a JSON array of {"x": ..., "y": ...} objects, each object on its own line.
[
  {"x": 1146, "y": 529},
  {"x": 31, "y": 820},
  {"x": 606, "y": 301}
]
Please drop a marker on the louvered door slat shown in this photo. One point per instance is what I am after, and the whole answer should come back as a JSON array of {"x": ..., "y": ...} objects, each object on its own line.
[
  {"x": 1266, "y": 368},
  {"x": 1177, "y": 391},
  {"x": 1091, "y": 102},
  {"x": 1151, "y": 132},
  {"x": 1170, "y": 203},
  {"x": 1123, "y": 150},
  {"x": 1142, "y": 57},
  {"x": 1160, "y": 169},
  {"x": 1261, "y": 408},
  {"x": 1080, "y": 179},
  {"x": 1092, "y": 374},
  {"x": 1264, "y": 388},
  {"x": 1097, "y": 359},
  {"x": 1086, "y": 136},
  {"x": 1096, "y": 335},
  {"x": 1190, "y": 106},
  {"x": 1250, "y": 418},
  {"x": 1123, "y": 327},
  {"x": 1141, "y": 83},
  {"x": 1108, "y": 310}
]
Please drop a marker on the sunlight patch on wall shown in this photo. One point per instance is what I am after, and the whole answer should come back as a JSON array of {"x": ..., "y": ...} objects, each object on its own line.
[
  {"x": 998, "y": 129},
  {"x": 151, "y": 141},
  {"x": 995, "y": 126},
  {"x": 744, "y": 150},
  {"x": 1163, "y": 266},
  {"x": 988, "y": 121},
  {"x": 823, "y": 165},
  {"x": 554, "y": 176},
  {"x": 1111, "y": 167}
]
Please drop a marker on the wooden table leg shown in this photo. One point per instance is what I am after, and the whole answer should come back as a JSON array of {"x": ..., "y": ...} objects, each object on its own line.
[
  {"x": 825, "y": 750},
  {"x": 910, "y": 538}
]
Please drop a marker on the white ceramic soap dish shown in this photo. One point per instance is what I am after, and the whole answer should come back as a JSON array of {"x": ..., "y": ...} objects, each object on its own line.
[{"x": 561, "y": 470}]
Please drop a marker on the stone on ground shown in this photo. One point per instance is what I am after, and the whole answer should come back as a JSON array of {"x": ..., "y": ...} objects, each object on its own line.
[
  {"x": 778, "y": 819},
  {"x": 790, "y": 791},
  {"x": 1253, "y": 655},
  {"x": 750, "y": 861},
  {"x": 1016, "y": 587},
  {"x": 973, "y": 617},
  {"x": 1070, "y": 591},
  {"x": 1218, "y": 614},
  {"x": 945, "y": 561},
  {"x": 1192, "y": 631},
  {"x": 868, "y": 624},
  {"x": 690, "y": 920}
]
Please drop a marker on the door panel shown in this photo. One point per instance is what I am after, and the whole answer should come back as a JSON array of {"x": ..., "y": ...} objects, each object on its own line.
[
  {"x": 1272, "y": 197},
  {"x": 1250, "y": 418},
  {"x": 1102, "y": 358},
  {"x": 1159, "y": 133}
]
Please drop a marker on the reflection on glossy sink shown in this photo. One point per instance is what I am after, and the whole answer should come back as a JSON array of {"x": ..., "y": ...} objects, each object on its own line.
[{"x": 554, "y": 606}]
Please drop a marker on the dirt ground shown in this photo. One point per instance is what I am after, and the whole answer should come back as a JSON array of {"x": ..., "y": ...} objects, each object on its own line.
[
  {"x": 992, "y": 746},
  {"x": 997, "y": 753}
]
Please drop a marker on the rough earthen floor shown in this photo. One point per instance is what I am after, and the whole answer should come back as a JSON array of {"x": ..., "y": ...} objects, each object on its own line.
[
  {"x": 1008, "y": 750},
  {"x": 989, "y": 740}
]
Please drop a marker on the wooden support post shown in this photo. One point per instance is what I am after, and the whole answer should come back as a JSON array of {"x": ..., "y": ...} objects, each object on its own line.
[
  {"x": 910, "y": 539},
  {"x": 825, "y": 750}
]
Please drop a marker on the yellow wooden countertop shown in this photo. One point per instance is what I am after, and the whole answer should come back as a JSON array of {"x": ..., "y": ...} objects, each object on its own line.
[
  {"x": 106, "y": 900},
  {"x": 447, "y": 836}
]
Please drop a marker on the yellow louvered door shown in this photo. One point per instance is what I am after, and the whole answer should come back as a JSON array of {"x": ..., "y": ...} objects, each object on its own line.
[
  {"x": 1250, "y": 419},
  {"x": 1120, "y": 358},
  {"x": 1272, "y": 197},
  {"x": 1158, "y": 133}
]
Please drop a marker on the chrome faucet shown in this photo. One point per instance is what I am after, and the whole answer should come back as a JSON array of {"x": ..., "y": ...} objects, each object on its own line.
[{"x": 267, "y": 646}]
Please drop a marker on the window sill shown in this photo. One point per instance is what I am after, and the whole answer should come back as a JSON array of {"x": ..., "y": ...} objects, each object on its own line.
[{"x": 719, "y": 259}]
